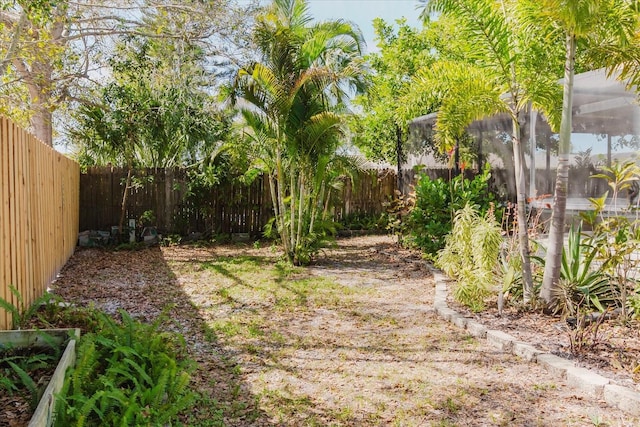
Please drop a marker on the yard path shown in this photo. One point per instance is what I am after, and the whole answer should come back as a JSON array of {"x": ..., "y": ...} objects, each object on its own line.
[{"x": 362, "y": 348}]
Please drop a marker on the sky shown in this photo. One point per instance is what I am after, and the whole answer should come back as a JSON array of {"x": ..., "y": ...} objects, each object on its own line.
[{"x": 363, "y": 12}]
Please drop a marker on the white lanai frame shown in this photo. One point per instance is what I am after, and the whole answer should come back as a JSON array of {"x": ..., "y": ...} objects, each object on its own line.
[{"x": 602, "y": 108}]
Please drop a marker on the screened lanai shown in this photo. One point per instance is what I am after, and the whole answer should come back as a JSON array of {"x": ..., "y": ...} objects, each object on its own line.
[{"x": 606, "y": 128}]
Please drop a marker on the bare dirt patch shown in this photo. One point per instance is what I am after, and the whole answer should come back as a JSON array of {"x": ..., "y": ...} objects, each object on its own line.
[{"x": 351, "y": 340}]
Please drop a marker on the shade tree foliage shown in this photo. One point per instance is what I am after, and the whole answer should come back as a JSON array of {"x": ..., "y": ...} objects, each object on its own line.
[
  {"x": 51, "y": 50},
  {"x": 381, "y": 130},
  {"x": 157, "y": 110}
]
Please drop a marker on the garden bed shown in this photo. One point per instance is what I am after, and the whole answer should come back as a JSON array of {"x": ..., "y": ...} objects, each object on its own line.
[{"x": 33, "y": 364}]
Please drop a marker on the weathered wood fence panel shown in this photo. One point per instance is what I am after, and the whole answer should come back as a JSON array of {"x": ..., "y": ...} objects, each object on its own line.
[
  {"x": 39, "y": 214},
  {"x": 225, "y": 209},
  {"x": 235, "y": 208},
  {"x": 366, "y": 194}
]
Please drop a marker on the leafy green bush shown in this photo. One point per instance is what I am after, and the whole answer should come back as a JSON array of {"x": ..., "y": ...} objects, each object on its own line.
[
  {"x": 436, "y": 202},
  {"x": 364, "y": 221},
  {"x": 126, "y": 374},
  {"x": 471, "y": 255}
]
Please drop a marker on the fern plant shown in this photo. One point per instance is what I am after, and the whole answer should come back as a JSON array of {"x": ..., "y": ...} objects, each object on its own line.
[
  {"x": 126, "y": 373},
  {"x": 20, "y": 368},
  {"x": 20, "y": 312},
  {"x": 470, "y": 255}
]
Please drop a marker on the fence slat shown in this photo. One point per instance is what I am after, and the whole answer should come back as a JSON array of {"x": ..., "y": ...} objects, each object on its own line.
[{"x": 5, "y": 239}]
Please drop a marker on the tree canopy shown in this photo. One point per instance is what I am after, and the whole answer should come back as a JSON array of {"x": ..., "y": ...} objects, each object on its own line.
[
  {"x": 156, "y": 112},
  {"x": 51, "y": 51},
  {"x": 403, "y": 50}
]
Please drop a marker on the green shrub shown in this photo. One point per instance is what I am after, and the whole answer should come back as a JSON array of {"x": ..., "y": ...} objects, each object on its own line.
[
  {"x": 436, "y": 202},
  {"x": 471, "y": 255},
  {"x": 126, "y": 374},
  {"x": 364, "y": 221}
]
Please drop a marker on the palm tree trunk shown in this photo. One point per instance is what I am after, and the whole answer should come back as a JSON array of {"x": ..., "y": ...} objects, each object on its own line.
[
  {"x": 301, "y": 192},
  {"x": 280, "y": 180},
  {"x": 327, "y": 201},
  {"x": 292, "y": 207},
  {"x": 523, "y": 231},
  {"x": 316, "y": 206},
  {"x": 123, "y": 206},
  {"x": 556, "y": 232},
  {"x": 274, "y": 201}
]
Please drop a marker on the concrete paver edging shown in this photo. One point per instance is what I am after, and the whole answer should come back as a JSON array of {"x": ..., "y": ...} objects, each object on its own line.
[{"x": 587, "y": 381}]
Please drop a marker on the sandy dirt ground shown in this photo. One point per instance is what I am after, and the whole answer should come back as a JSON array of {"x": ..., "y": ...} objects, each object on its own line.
[{"x": 364, "y": 350}]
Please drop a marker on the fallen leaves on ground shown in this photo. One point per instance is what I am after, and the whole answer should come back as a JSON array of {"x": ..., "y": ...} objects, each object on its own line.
[{"x": 349, "y": 341}]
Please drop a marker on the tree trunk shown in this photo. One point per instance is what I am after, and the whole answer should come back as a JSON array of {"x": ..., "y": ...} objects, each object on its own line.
[
  {"x": 556, "y": 233},
  {"x": 301, "y": 193},
  {"x": 41, "y": 122},
  {"x": 327, "y": 200},
  {"x": 283, "y": 230},
  {"x": 521, "y": 197},
  {"x": 399, "y": 159},
  {"x": 40, "y": 97},
  {"x": 125, "y": 195},
  {"x": 292, "y": 207},
  {"x": 38, "y": 77},
  {"x": 316, "y": 206},
  {"x": 274, "y": 200}
]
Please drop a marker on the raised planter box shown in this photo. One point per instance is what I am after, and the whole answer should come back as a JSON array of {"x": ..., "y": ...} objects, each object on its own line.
[{"x": 43, "y": 415}]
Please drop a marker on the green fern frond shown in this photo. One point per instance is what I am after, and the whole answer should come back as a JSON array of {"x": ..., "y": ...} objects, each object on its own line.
[
  {"x": 88, "y": 407},
  {"x": 11, "y": 308},
  {"x": 28, "y": 382}
]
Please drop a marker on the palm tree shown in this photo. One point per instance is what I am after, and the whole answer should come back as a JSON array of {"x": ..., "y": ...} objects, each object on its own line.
[
  {"x": 590, "y": 24},
  {"x": 293, "y": 104},
  {"x": 497, "y": 76}
]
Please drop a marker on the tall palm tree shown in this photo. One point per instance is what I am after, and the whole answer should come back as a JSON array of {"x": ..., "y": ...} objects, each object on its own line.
[
  {"x": 590, "y": 24},
  {"x": 293, "y": 99},
  {"x": 497, "y": 76}
]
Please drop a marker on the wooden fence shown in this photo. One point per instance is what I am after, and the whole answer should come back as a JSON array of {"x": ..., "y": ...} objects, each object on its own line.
[
  {"x": 39, "y": 195},
  {"x": 225, "y": 209},
  {"x": 235, "y": 208}
]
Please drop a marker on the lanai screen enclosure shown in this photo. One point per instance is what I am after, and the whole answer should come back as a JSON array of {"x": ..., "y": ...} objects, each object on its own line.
[{"x": 606, "y": 128}]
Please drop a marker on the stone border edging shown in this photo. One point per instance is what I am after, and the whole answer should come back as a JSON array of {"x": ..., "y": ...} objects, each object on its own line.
[{"x": 588, "y": 382}]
